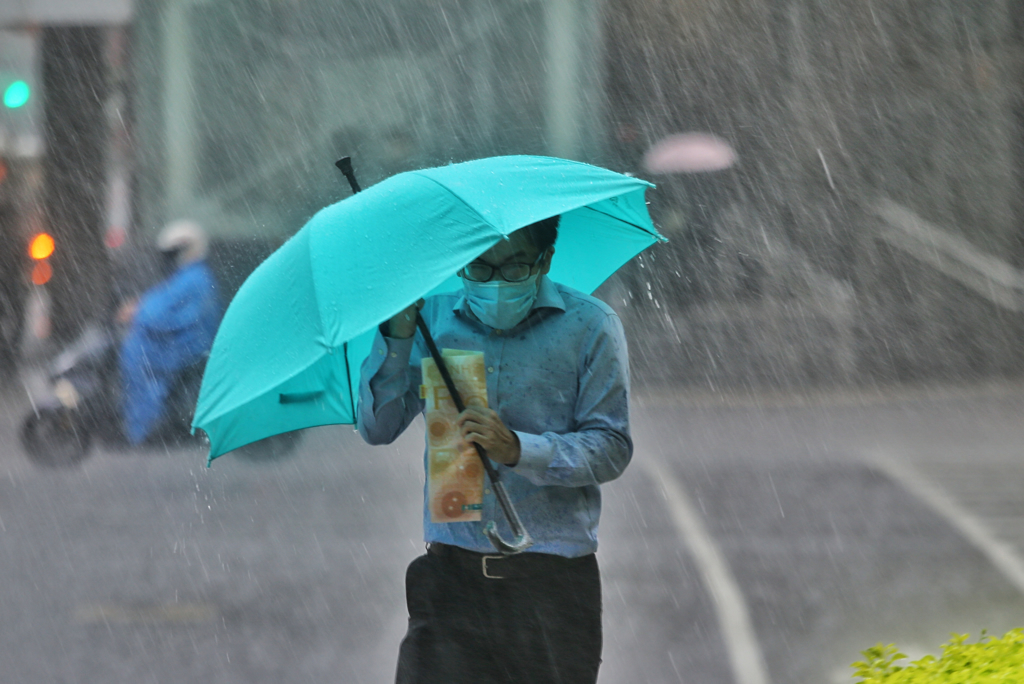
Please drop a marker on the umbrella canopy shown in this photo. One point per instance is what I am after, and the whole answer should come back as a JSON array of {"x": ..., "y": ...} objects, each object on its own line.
[{"x": 289, "y": 348}]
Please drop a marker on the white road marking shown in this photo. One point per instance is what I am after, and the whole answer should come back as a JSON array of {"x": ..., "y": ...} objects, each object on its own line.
[
  {"x": 745, "y": 655},
  {"x": 999, "y": 553}
]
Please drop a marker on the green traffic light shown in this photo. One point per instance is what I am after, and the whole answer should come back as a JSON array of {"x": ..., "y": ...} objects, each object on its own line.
[{"x": 16, "y": 94}]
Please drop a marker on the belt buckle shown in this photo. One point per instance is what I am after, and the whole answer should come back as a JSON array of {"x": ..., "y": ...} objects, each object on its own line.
[{"x": 483, "y": 563}]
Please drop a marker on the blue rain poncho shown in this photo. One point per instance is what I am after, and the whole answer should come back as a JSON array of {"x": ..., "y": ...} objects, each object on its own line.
[{"x": 173, "y": 328}]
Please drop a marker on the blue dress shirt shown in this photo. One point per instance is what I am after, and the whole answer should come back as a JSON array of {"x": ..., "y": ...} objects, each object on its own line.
[{"x": 559, "y": 380}]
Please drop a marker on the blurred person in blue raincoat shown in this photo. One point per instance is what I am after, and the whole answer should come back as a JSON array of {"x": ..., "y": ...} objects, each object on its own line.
[{"x": 171, "y": 328}]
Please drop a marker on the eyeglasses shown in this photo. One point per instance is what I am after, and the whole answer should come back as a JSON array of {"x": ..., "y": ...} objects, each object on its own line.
[{"x": 478, "y": 272}]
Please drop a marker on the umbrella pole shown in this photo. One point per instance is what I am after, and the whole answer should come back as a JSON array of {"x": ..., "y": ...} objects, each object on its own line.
[{"x": 522, "y": 537}]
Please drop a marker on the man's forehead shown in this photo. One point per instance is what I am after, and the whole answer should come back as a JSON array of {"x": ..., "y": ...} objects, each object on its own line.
[{"x": 518, "y": 245}]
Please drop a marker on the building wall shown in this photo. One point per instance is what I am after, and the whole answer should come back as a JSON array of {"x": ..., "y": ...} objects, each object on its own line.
[
  {"x": 245, "y": 104},
  {"x": 832, "y": 107}
]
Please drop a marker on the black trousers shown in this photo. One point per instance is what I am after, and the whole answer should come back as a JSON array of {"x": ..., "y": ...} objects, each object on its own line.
[{"x": 541, "y": 625}]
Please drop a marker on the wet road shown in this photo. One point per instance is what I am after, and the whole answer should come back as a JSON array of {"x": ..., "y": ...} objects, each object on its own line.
[{"x": 763, "y": 536}]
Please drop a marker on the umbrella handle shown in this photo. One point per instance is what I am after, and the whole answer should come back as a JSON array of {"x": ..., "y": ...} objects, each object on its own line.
[{"x": 522, "y": 539}]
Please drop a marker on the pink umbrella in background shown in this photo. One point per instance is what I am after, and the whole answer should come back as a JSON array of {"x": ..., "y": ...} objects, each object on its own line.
[{"x": 689, "y": 153}]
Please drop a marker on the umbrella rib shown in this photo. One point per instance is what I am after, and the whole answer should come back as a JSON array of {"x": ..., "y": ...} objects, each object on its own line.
[
  {"x": 460, "y": 198},
  {"x": 348, "y": 382},
  {"x": 454, "y": 194},
  {"x": 656, "y": 234},
  {"x": 316, "y": 291}
]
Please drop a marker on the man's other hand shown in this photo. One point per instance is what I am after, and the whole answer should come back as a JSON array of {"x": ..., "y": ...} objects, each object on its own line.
[
  {"x": 126, "y": 312},
  {"x": 483, "y": 426}
]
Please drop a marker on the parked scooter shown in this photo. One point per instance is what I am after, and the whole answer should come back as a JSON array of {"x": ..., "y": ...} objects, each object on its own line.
[{"x": 81, "y": 403}]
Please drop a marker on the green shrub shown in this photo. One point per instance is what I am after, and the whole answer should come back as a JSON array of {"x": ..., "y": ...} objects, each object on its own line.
[{"x": 988, "y": 661}]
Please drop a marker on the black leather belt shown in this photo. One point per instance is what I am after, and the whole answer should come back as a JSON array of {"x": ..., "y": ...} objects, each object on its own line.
[{"x": 517, "y": 566}]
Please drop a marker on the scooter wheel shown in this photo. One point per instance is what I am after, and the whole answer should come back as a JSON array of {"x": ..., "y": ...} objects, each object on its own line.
[{"x": 54, "y": 438}]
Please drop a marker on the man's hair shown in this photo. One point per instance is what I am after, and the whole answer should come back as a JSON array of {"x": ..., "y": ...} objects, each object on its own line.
[{"x": 543, "y": 233}]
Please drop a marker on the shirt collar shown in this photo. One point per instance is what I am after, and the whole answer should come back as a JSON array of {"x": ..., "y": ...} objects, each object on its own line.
[{"x": 548, "y": 297}]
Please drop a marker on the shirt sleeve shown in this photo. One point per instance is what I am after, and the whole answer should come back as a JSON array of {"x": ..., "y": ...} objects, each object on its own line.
[
  {"x": 389, "y": 397},
  {"x": 601, "y": 447}
]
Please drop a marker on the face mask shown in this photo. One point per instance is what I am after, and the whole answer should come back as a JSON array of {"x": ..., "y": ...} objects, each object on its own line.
[{"x": 500, "y": 304}]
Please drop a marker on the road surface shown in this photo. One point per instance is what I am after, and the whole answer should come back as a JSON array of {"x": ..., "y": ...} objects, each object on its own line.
[{"x": 753, "y": 540}]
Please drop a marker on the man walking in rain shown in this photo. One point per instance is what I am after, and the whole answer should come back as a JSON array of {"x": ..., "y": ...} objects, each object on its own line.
[{"x": 557, "y": 428}]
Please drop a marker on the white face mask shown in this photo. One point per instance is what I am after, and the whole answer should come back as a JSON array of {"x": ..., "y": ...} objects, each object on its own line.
[{"x": 500, "y": 304}]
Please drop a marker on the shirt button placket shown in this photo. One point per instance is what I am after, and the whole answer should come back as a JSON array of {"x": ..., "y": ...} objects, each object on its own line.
[{"x": 494, "y": 369}]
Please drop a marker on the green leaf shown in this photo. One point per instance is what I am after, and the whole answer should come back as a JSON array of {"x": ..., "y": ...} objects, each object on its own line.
[{"x": 990, "y": 660}]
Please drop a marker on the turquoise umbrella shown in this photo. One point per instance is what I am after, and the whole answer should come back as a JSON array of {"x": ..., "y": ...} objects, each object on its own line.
[{"x": 289, "y": 348}]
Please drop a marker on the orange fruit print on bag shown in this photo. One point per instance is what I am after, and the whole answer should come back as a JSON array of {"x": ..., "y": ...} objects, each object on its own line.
[{"x": 455, "y": 476}]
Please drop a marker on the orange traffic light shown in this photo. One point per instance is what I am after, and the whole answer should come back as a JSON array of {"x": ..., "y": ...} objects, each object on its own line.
[
  {"x": 41, "y": 246},
  {"x": 42, "y": 272}
]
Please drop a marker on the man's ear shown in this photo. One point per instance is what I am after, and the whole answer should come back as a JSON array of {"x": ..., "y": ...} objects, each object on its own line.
[{"x": 545, "y": 264}]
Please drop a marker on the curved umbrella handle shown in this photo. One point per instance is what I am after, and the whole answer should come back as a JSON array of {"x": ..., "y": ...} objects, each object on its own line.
[
  {"x": 522, "y": 537},
  {"x": 522, "y": 540}
]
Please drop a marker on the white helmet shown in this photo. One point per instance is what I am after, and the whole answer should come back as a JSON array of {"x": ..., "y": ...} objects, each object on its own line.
[{"x": 186, "y": 238}]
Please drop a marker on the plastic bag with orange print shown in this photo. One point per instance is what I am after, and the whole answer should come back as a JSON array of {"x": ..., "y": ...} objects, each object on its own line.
[{"x": 455, "y": 476}]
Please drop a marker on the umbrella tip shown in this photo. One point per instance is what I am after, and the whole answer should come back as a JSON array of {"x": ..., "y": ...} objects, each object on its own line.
[{"x": 345, "y": 166}]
